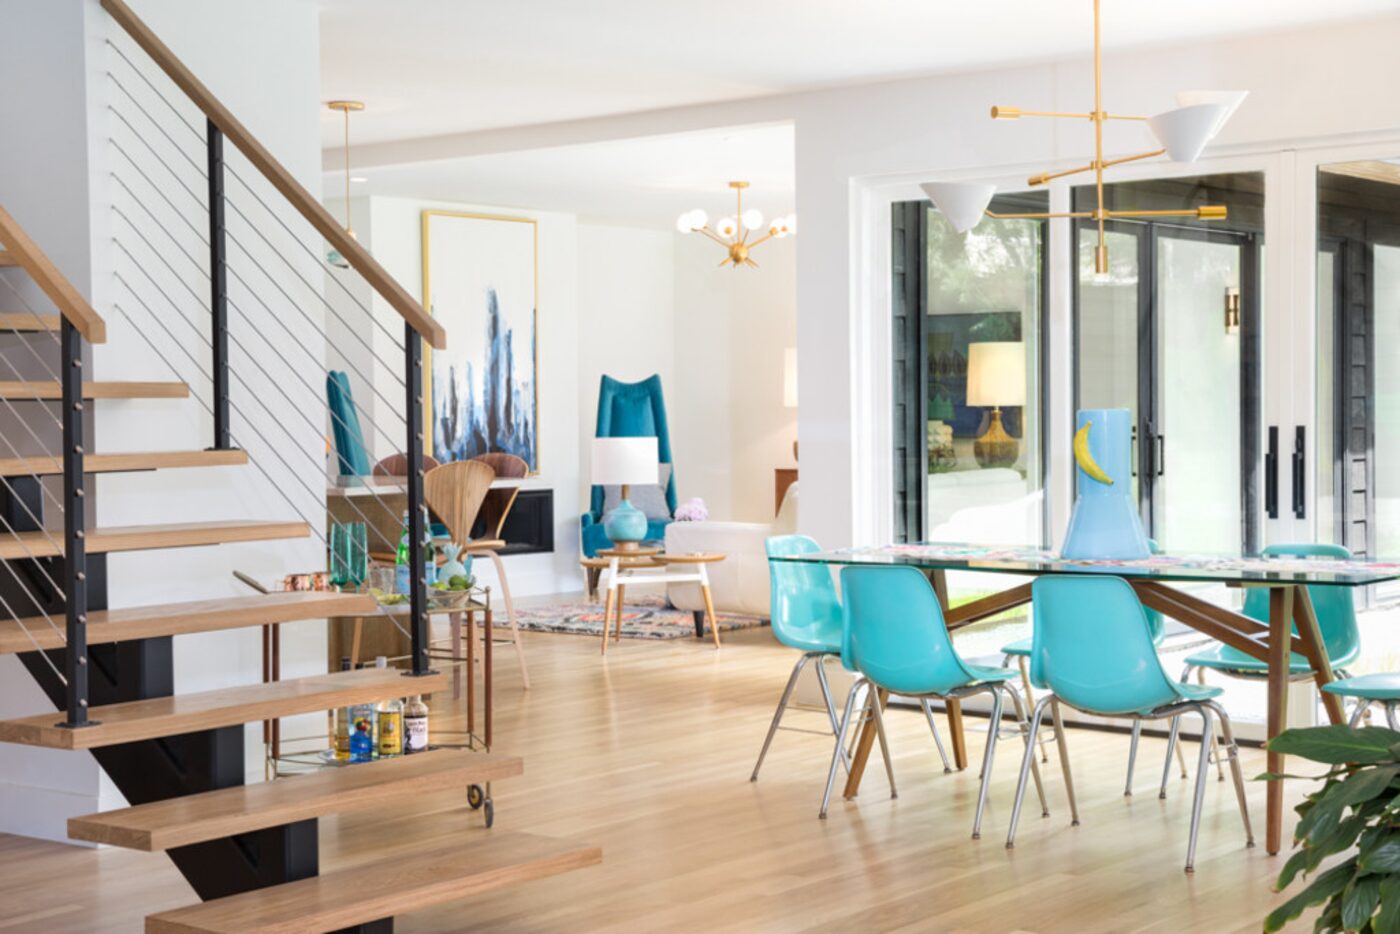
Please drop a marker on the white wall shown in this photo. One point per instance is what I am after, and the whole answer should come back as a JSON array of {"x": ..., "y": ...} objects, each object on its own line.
[
  {"x": 262, "y": 59},
  {"x": 921, "y": 128}
]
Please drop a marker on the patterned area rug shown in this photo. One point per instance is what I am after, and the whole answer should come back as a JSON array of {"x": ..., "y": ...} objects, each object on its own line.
[{"x": 648, "y": 617}]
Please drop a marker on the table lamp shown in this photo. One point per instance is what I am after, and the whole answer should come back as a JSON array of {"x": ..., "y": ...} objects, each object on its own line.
[
  {"x": 996, "y": 376},
  {"x": 623, "y": 462}
]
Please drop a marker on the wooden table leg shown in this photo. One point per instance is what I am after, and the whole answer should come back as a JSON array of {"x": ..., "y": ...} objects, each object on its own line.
[
  {"x": 939, "y": 580},
  {"x": 1280, "y": 644},
  {"x": 1305, "y": 619},
  {"x": 357, "y": 632},
  {"x": 710, "y": 612},
  {"x": 607, "y": 618},
  {"x": 863, "y": 747},
  {"x": 617, "y": 608}
]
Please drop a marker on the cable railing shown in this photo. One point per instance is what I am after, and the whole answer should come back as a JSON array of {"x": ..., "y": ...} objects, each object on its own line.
[{"x": 212, "y": 254}]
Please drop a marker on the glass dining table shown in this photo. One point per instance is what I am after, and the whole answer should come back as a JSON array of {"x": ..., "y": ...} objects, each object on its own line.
[{"x": 1291, "y": 628}]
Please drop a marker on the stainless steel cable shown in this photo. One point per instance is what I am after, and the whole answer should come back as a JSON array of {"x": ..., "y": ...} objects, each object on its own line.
[
  {"x": 156, "y": 123},
  {"x": 147, "y": 81},
  {"x": 32, "y": 312},
  {"x": 30, "y": 636}
]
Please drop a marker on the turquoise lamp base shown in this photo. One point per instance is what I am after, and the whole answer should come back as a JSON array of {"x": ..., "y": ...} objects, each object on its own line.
[{"x": 625, "y": 525}]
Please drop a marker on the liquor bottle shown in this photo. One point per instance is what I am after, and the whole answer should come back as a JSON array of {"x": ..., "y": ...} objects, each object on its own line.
[
  {"x": 388, "y": 740},
  {"x": 361, "y": 732},
  {"x": 340, "y": 740},
  {"x": 401, "y": 581},
  {"x": 415, "y": 725}
]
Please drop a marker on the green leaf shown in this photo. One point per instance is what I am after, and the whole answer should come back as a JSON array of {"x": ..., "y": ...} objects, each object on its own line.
[
  {"x": 1359, "y": 902},
  {"x": 1337, "y": 745},
  {"x": 1322, "y": 819},
  {"x": 1340, "y": 838},
  {"x": 1323, "y": 887},
  {"x": 1385, "y": 857},
  {"x": 1290, "y": 870},
  {"x": 1389, "y": 917},
  {"x": 1365, "y": 784}
]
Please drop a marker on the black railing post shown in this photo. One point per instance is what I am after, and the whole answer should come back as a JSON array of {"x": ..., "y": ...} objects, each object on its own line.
[
  {"x": 74, "y": 521},
  {"x": 218, "y": 285},
  {"x": 417, "y": 533}
]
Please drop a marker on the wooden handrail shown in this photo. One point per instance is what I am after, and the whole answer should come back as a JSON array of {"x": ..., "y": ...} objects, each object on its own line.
[
  {"x": 300, "y": 199},
  {"x": 45, "y": 274}
]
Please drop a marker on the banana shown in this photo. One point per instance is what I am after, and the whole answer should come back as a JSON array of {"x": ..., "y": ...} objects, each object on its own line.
[{"x": 1085, "y": 460}]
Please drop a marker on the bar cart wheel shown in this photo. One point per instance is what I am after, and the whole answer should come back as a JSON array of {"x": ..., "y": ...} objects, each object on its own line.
[{"x": 478, "y": 798}]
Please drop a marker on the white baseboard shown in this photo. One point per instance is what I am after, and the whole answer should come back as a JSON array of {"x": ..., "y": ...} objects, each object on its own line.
[{"x": 43, "y": 812}]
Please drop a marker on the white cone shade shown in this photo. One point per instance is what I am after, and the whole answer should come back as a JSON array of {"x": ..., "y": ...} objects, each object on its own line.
[
  {"x": 963, "y": 203},
  {"x": 1184, "y": 132},
  {"x": 1231, "y": 99}
]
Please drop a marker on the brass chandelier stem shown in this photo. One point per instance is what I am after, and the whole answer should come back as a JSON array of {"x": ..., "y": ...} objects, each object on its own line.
[
  {"x": 1101, "y": 252},
  {"x": 346, "y": 112}
]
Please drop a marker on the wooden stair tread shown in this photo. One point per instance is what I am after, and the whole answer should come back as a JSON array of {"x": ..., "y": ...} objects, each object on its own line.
[
  {"x": 18, "y": 545},
  {"x": 445, "y": 872},
  {"x": 208, "y": 710},
  {"x": 215, "y": 814},
  {"x": 24, "y": 321},
  {"x": 47, "y": 464},
  {"x": 170, "y": 619},
  {"x": 21, "y": 390}
]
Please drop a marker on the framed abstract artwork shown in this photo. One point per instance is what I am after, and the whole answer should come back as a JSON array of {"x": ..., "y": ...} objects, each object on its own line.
[{"x": 480, "y": 281}]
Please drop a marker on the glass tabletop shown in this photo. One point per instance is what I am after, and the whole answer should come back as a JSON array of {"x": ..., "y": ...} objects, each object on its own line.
[{"x": 954, "y": 556}]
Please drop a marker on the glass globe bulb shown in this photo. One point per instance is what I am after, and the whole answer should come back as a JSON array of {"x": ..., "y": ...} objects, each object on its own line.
[
  {"x": 683, "y": 223},
  {"x": 698, "y": 218},
  {"x": 752, "y": 218},
  {"x": 790, "y": 223},
  {"x": 726, "y": 227}
]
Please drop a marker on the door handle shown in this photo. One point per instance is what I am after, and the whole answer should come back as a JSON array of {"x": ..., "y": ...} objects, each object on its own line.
[
  {"x": 1133, "y": 453},
  {"x": 1161, "y": 454},
  {"x": 1271, "y": 475},
  {"x": 1299, "y": 447}
]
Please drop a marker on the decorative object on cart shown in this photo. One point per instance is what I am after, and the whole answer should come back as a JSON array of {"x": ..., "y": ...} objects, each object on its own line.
[
  {"x": 624, "y": 462},
  {"x": 453, "y": 567},
  {"x": 648, "y": 616},
  {"x": 484, "y": 394},
  {"x": 345, "y": 108},
  {"x": 1105, "y": 521},
  {"x": 692, "y": 510},
  {"x": 1182, "y": 132},
  {"x": 732, "y": 232},
  {"x": 629, "y": 410},
  {"x": 1362, "y": 892},
  {"x": 996, "y": 376}
]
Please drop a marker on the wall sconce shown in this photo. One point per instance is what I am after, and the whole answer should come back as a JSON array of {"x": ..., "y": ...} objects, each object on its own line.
[{"x": 1232, "y": 311}]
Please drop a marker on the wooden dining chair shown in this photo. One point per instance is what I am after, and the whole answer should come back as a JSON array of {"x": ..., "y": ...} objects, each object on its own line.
[
  {"x": 456, "y": 492},
  {"x": 396, "y": 465},
  {"x": 499, "y": 502}
]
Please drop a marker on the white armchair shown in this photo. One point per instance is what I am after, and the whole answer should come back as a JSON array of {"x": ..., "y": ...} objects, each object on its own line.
[{"x": 739, "y": 583}]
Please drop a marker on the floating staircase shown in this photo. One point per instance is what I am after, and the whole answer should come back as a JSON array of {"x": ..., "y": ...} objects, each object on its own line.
[{"x": 250, "y": 852}]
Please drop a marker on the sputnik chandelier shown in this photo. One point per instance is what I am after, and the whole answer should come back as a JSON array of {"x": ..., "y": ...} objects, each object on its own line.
[
  {"x": 1182, "y": 134},
  {"x": 733, "y": 232}
]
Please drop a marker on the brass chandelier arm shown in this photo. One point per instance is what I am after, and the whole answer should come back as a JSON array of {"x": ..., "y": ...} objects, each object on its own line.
[
  {"x": 763, "y": 239},
  {"x": 1038, "y": 215},
  {"x": 1002, "y": 112},
  {"x": 1209, "y": 212},
  {"x": 712, "y": 235},
  {"x": 1050, "y": 176}
]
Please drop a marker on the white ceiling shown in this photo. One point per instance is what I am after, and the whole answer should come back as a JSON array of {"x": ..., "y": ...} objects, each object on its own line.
[
  {"x": 643, "y": 182},
  {"x": 430, "y": 67}
]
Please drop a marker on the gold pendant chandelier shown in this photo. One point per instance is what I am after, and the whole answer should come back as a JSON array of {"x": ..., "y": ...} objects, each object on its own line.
[
  {"x": 732, "y": 232},
  {"x": 1182, "y": 133},
  {"x": 346, "y": 108}
]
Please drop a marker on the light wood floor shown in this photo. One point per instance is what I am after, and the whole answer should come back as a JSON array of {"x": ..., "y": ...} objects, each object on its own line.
[{"x": 648, "y": 753}]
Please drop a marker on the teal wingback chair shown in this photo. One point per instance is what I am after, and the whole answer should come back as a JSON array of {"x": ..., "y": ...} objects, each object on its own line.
[
  {"x": 1092, "y": 648},
  {"x": 351, "y": 457},
  {"x": 630, "y": 410},
  {"x": 806, "y": 615},
  {"x": 896, "y": 639}
]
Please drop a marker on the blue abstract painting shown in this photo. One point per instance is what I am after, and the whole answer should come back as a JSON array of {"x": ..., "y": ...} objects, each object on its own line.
[{"x": 479, "y": 281}]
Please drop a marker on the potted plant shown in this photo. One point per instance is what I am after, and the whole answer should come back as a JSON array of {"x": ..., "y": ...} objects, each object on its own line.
[{"x": 1356, "y": 813}]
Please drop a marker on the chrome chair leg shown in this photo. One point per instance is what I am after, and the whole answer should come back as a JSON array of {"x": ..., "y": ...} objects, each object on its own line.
[
  {"x": 851, "y": 698},
  {"x": 1030, "y": 695},
  {"x": 1024, "y": 725},
  {"x": 1202, "y": 767},
  {"x": 993, "y": 727},
  {"x": 830, "y": 702},
  {"x": 875, "y": 708},
  {"x": 937, "y": 740},
  {"x": 1390, "y": 715},
  {"x": 1132, "y": 758},
  {"x": 1215, "y": 746},
  {"x": 1027, "y": 760},
  {"x": 1362, "y": 705},
  {"x": 1167, "y": 765},
  {"x": 782, "y": 708},
  {"x": 1232, "y": 751},
  {"x": 1063, "y": 746}
]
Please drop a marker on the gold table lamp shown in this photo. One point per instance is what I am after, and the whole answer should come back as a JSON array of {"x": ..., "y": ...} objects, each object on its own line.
[{"x": 996, "y": 376}]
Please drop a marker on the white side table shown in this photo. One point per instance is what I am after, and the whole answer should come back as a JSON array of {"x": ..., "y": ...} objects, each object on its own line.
[{"x": 627, "y": 567}]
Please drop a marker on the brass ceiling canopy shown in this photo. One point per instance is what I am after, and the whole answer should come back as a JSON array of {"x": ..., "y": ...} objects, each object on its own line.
[
  {"x": 1183, "y": 134},
  {"x": 732, "y": 232}
]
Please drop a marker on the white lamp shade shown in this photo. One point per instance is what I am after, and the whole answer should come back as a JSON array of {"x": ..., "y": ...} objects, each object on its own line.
[
  {"x": 1184, "y": 132},
  {"x": 790, "y": 377},
  {"x": 963, "y": 203},
  {"x": 996, "y": 373},
  {"x": 625, "y": 460},
  {"x": 1231, "y": 99}
]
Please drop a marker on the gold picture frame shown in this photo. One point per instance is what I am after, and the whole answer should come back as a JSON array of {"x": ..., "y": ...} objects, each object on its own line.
[{"x": 428, "y": 417}]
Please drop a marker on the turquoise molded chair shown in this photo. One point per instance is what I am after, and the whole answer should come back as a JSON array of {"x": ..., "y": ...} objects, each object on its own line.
[
  {"x": 896, "y": 640},
  {"x": 350, "y": 454},
  {"x": 629, "y": 410},
  {"x": 806, "y": 615},
  {"x": 1336, "y": 619},
  {"x": 1092, "y": 648},
  {"x": 1379, "y": 688}
]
